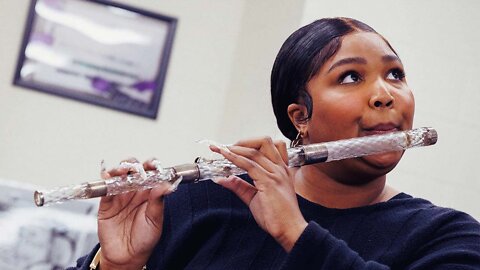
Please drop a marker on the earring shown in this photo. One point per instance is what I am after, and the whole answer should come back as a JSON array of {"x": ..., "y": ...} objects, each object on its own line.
[{"x": 297, "y": 141}]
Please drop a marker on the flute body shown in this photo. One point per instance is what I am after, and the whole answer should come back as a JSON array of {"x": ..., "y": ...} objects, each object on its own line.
[{"x": 204, "y": 169}]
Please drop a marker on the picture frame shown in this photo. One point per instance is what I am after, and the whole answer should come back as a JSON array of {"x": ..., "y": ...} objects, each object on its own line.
[{"x": 96, "y": 51}]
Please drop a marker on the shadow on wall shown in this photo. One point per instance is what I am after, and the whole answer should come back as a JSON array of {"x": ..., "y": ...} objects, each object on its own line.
[{"x": 43, "y": 238}]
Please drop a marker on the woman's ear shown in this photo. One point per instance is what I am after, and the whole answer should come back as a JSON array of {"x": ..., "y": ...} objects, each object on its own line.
[{"x": 298, "y": 114}]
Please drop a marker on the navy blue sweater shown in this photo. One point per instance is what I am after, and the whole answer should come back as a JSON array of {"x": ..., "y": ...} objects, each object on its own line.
[{"x": 208, "y": 227}]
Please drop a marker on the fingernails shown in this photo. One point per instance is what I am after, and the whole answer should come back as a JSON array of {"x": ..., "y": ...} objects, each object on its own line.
[
  {"x": 218, "y": 179},
  {"x": 214, "y": 146},
  {"x": 135, "y": 167},
  {"x": 157, "y": 165},
  {"x": 226, "y": 149},
  {"x": 173, "y": 186}
]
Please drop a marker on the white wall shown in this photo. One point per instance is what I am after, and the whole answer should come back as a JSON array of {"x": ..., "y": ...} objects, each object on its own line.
[
  {"x": 48, "y": 140},
  {"x": 247, "y": 110},
  {"x": 217, "y": 87},
  {"x": 438, "y": 42}
]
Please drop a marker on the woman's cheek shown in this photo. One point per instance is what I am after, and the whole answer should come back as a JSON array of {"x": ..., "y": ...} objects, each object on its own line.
[{"x": 408, "y": 107}]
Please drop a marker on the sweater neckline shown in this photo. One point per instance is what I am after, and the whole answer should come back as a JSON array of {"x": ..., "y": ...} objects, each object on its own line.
[{"x": 311, "y": 206}]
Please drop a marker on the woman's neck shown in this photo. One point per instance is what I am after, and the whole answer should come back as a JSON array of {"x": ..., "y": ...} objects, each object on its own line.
[{"x": 316, "y": 186}]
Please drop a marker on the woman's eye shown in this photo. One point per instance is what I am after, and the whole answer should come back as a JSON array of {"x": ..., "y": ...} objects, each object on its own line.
[
  {"x": 349, "y": 77},
  {"x": 396, "y": 74}
]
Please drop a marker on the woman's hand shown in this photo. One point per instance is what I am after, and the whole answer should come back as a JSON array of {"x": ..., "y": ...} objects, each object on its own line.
[
  {"x": 130, "y": 224},
  {"x": 272, "y": 199}
]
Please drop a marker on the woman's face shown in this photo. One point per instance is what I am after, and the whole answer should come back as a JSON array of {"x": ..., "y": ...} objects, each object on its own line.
[{"x": 360, "y": 91}]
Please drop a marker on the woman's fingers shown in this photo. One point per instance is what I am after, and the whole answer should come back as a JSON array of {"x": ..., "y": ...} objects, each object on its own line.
[
  {"x": 240, "y": 187},
  {"x": 258, "y": 158},
  {"x": 151, "y": 164},
  {"x": 252, "y": 167},
  {"x": 127, "y": 166},
  {"x": 123, "y": 168},
  {"x": 275, "y": 151},
  {"x": 155, "y": 204},
  {"x": 282, "y": 150},
  {"x": 263, "y": 154}
]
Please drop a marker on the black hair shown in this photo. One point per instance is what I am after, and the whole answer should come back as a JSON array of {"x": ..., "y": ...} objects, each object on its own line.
[{"x": 300, "y": 58}]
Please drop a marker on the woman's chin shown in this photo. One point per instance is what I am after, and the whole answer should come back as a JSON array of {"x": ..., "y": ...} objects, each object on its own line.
[{"x": 383, "y": 161}]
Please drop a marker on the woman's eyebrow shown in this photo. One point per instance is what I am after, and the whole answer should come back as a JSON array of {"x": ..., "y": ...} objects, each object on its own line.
[
  {"x": 350, "y": 60},
  {"x": 391, "y": 58}
]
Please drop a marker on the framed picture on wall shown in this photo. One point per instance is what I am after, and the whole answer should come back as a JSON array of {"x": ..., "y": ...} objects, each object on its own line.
[{"x": 96, "y": 51}]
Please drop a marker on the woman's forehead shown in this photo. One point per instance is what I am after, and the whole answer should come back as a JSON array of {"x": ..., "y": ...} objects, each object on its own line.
[{"x": 362, "y": 44}]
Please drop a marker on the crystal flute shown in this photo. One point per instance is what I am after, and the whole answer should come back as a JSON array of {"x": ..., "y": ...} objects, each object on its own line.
[{"x": 204, "y": 169}]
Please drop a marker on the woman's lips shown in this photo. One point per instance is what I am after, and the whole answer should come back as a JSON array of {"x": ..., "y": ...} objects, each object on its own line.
[{"x": 381, "y": 129}]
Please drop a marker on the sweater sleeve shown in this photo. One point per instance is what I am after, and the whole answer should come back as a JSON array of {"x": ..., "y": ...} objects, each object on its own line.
[
  {"x": 318, "y": 249},
  {"x": 453, "y": 244},
  {"x": 83, "y": 263}
]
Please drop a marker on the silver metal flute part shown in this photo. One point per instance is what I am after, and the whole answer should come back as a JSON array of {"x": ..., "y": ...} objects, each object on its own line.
[
  {"x": 204, "y": 169},
  {"x": 361, "y": 146},
  {"x": 188, "y": 172}
]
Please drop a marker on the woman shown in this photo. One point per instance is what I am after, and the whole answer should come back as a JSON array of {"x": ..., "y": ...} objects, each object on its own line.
[{"x": 332, "y": 79}]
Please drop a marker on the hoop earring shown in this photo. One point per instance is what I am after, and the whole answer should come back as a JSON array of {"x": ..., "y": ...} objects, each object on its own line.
[{"x": 297, "y": 141}]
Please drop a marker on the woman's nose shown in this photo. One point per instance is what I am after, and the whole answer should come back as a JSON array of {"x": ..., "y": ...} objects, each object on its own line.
[{"x": 381, "y": 98}]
